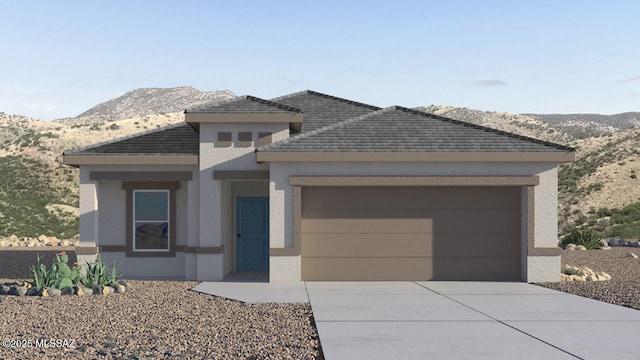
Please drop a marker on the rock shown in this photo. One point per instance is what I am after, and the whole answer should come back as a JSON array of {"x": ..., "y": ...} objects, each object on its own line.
[
  {"x": 42, "y": 238},
  {"x": 582, "y": 273},
  {"x": 53, "y": 292},
  {"x": 581, "y": 247},
  {"x": 33, "y": 291},
  {"x": 632, "y": 255},
  {"x": 126, "y": 285},
  {"x": 4, "y": 289},
  {"x": 107, "y": 290},
  {"x": 617, "y": 242},
  {"x": 571, "y": 270},
  {"x": 570, "y": 247},
  {"x": 96, "y": 290},
  {"x": 67, "y": 290},
  {"x": 118, "y": 289},
  {"x": 633, "y": 243},
  {"x": 85, "y": 290},
  {"x": 604, "y": 245},
  {"x": 18, "y": 291}
]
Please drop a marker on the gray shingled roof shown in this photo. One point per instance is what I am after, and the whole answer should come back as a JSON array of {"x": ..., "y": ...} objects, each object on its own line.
[
  {"x": 398, "y": 129},
  {"x": 321, "y": 110},
  {"x": 174, "y": 139},
  {"x": 246, "y": 104}
]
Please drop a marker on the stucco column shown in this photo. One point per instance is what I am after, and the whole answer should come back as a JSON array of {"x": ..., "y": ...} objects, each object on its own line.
[{"x": 89, "y": 226}]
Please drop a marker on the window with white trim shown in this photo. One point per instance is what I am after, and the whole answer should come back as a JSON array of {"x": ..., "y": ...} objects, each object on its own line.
[{"x": 151, "y": 221}]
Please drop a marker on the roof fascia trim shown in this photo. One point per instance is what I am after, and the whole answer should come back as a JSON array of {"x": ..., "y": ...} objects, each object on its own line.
[
  {"x": 557, "y": 157},
  {"x": 126, "y": 159}
]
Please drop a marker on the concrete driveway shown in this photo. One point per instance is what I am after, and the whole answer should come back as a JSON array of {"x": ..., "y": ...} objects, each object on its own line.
[{"x": 467, "y": 320}]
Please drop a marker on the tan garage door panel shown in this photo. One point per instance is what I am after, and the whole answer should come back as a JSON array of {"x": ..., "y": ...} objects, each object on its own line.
[
  {"x": 407, "y": 198},
  {"x": 409, "y": 245},
  {"x": 411, "y": 269},
  {"x": 409, "y": 221},
  {"x": 410, "y": 233}
]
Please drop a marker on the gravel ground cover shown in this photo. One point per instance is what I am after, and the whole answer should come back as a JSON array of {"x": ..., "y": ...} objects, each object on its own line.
[
  {"x": 624, "y": 287},
  {"x": 156, "y": 320}
]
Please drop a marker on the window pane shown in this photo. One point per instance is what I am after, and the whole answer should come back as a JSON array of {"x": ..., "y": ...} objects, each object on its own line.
[
  {"x": 152, "y": 235},
  {"x": 151, "y": 205}
]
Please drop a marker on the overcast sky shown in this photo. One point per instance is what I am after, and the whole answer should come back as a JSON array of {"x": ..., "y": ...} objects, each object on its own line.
[{"x": 59, "y": 58}]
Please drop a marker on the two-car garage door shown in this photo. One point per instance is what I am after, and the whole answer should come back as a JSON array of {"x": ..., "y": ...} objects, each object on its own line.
[{"x": 411, "y": 233}]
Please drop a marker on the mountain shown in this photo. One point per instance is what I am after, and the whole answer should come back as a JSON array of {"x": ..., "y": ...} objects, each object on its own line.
[
  {"x": 148, "y": 101},
  {"x": 599, "y": 191},
  {"x": 585, "y": 125},
  {"x": 515, "y": 123}
]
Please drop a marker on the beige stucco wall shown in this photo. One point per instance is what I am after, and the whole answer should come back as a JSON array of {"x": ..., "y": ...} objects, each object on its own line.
[
  {"x": 170, "y": 268},
  {"x": 110, "y": 199},
  {"x": 214, "y": 207},
  {"x": 281, "y": 196}
]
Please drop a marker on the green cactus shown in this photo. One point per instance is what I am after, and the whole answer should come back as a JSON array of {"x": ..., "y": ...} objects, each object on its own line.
[
  {"x": 62, "y": 258},
  {"x": 64, "y": 282}
]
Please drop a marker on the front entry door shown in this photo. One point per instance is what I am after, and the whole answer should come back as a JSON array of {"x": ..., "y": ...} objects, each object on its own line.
[{"x": 252, "y": 233}]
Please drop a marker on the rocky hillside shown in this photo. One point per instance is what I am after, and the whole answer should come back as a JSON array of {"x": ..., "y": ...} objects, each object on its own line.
[
  {"x": 586, "y": 125},
  {"x": 147, "y": 101},
  {"x": 515, "y": 123}
]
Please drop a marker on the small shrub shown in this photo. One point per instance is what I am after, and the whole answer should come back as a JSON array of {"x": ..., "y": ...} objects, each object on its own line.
[
  {"x": 114, "y": 127},
  {"x": 585, "y": 238},
  {"x": 96, "y": 273},
  {"x": 634, "y": 176},
  {"x": 602, "y": 212}
]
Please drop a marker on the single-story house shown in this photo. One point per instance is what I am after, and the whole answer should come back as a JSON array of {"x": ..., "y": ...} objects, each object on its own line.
[{"x": 310, "y": 186}]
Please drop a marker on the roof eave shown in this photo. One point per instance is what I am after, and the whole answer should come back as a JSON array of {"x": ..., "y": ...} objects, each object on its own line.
[
  {"x": 204, "y": 117},
  {"x": 129, "y": 159},
  {"x": 286, "y": 156}
]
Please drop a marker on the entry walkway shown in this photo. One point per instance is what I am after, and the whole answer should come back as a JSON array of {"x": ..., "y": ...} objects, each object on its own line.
[{"x": 452, "y": 320}]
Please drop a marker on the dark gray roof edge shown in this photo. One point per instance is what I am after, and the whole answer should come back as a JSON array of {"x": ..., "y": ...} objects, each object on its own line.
[
  {"x": 127, "y": 137},
  {"x": 485, "y": 128},
  {"x": 200, "y": 108},
  {"x": 132, "y": 154},
  {"x": 322, "y": 129},
  {"x": 316, "y": 93}
]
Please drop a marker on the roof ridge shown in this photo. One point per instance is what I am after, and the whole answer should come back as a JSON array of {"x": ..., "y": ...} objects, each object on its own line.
[
  {"x": 323, "y": 129},
  {"x": 485, "y": 128},
  {"x": 126, "y": 137},
  {"x": 332, "y": 97},
  {"x": 244, "y": 97}
]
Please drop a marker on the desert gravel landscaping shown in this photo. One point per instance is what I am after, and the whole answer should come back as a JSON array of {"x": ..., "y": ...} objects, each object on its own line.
[
  {"x": 156, "y": 320},
  {"x": 624, "y": 286}
]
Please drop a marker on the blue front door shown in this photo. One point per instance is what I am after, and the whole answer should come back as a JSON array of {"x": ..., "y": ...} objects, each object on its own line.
[{"x": 252, "y": 233}]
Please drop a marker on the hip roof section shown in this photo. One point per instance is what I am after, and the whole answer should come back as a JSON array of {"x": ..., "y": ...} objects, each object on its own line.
[{"x": 398, "y": 129}]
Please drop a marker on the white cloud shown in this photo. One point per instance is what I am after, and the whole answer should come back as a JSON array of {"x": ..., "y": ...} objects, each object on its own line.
[
  {"x": 42, "y": 107},
  {"x": 491, "y": 83},
  {"x": 635, "y": 78}
]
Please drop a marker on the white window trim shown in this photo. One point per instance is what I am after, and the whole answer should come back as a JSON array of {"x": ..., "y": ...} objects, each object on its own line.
[{"x": 168, "y": 221}]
